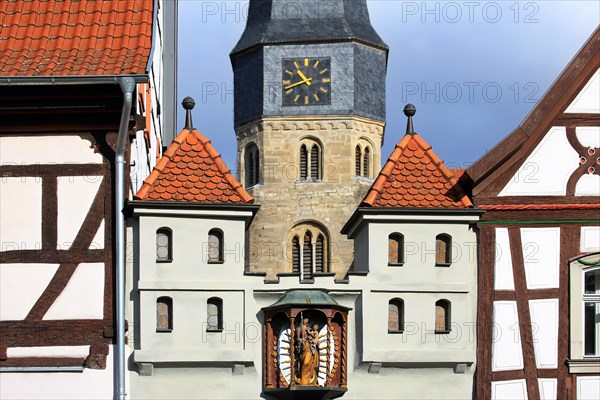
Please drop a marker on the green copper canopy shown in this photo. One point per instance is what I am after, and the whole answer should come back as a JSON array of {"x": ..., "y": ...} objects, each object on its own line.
[{"x": 302, "y": 297}]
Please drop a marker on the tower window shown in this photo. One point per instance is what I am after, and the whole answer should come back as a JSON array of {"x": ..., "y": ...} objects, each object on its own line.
[
  {"x": 442, "y": 316},
  {"x": 362, "y": 160},
  {"x": 164, "y": 245},
  {"x": 396, "y": 316},
  {"x": 443, "y": 245},
  {"x": 310, "y": 161},
  {"x": 215, "y": 246},
  {"x": 214, "y": 314},
  {"x": 309, "y": 254},
  {"x": 252, "y": 164},
  {"x": 395, "y": 249},
  {"x": 164, "y": 314}
]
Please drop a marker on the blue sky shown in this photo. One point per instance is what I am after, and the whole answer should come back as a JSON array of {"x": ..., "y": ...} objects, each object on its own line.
[{"x": 473, "y": 69}]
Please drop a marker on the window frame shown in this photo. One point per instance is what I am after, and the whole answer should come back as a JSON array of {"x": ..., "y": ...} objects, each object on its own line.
[
  {"x": 578, "y": 361},
  {"x": 168, "y": 301},
  {"x": 251, "y": 165},
  {"x": 221, "y": 253},
  {"x": 399, "y": 239},
  {"x": 218, "y": 303},
  {"x": 447, "y": 239},
  {"x": 399, "y": 303},
  {"x": 169, "y": 234},
  {"x": 447, "y": 305},
  {"x": 306, "y": 162}
]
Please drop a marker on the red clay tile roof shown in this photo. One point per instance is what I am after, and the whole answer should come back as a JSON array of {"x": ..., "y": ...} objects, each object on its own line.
[
  {"x": 86, "y": 37},
  {"x": 191, "y": 170},
  {"x": 414, "y": 177}
]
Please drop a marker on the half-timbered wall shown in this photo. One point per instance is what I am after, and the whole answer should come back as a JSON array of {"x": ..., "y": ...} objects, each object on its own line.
[
  {"x": 56, "y": 260},
  {"x": 540, "y": 215}
]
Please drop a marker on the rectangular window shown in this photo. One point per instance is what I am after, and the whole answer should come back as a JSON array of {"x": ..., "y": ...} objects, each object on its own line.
[{"x": 591, "y": 329}]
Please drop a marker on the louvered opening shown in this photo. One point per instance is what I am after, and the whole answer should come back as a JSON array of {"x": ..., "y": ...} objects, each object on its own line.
[
  {"x": 303, "y": 163},
  {"x": 320, "y": 254},
  {"x": 307, "y": 257},
  {"x": 314, "y": 162},
  {"x": 296, "y": 255},
  {"x": 366, "y": 157},
  {"x": 357, "y": 161}
]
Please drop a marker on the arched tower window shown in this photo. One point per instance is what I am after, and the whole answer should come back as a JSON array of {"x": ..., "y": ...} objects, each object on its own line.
[
  {"x": 443, "y": 246},
  {"x": 164, "y": 314},
  {"x": 396, "y": 316},
  {"x": 252, "y": 165},
  {"x": 214, "y": 314},
  {"x": 442, "y": 316},
  {"x": 215, "y": 246},
  {"x": 395, "y": 249},
  {"x": 308, "y": 251},
  {"x": 357, "y": 161},
  {"x": 164, "y": 245},
  {"x": 310, "y": 160}
]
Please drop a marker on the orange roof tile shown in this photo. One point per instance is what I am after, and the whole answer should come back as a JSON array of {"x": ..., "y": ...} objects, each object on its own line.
[
  {"x": 192, "y": 171},
  {"x": 60, "y": 38},
  {"x": 414, "y": 177}
]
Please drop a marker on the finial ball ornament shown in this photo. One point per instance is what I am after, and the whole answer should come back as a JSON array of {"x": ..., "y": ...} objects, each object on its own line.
[
  {"x": 410, "y": 110},
  {"x": 188, "y": 103}
]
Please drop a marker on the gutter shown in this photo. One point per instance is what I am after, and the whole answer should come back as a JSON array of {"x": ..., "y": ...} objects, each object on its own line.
[
  {"x": 69, "y": 80},
  {"x": 127, "y": 86}
]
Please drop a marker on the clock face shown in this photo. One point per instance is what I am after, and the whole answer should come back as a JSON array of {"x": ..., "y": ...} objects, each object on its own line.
[{"x": 306, "y": 81}]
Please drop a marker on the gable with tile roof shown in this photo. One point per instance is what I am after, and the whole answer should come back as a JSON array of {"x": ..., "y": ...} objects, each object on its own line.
[
  {"x": 415, "y": 177},
  {"x": 191, "y": 170}
]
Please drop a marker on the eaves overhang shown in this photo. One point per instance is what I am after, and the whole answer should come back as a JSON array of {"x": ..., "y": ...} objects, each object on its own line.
[{"x": 364, "y": 215}]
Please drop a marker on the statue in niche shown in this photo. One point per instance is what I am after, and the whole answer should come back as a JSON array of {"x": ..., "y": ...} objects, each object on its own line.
[{"x": 306, "y": 353}]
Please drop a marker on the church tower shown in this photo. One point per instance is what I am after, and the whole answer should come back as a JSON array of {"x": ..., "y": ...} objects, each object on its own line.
[{"x": 309, "y": 119}]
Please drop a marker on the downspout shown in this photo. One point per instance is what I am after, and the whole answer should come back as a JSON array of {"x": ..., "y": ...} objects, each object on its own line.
[{"x": 127, "y": 86}]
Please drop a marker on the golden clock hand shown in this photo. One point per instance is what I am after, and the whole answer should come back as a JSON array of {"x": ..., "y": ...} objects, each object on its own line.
[
  {"x": 298, "y": 84},
  {"x": 304, "y": 78}
]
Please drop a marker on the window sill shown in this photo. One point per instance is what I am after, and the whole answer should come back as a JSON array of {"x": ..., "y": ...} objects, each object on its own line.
[
  {"x": 317, "y": 274},
  {"x": 588, "y": 365},
  {"x": 164, "y": 330},
  {"x": 307, "y": 281},
  {"x": 309, "y": 180},
  {"x": 442, "y": 332},
  {"x": 216, "y": 262},
  {"x": 400, "y": 264},
  {"x": 166, "y": 261},
  {"x": 443, "y": 265},
  {"x": 396, "y": 332},
  {"x": 214, "y": 330}
]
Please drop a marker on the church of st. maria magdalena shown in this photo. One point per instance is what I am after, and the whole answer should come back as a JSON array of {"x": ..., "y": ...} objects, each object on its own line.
[{"x": 327, "y": 269}]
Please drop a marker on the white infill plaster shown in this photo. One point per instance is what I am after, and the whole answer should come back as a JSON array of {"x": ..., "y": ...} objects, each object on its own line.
[
  {"x": 21, "y": 213},
  {"x": 547, "y": 388},
  {"x": 506, "y": 348},
  {"x": 31, "y": 150},
  {"x": 503, "y": 270},
  {"x": 544, "y": 325},
  {"x": 83, "y": 297},
  {"x": 588, "y": 100},
  {"x": 49, "y": 351},
  {"x": 75, "y": 196},
  {"x": 509, "y": 390},
  {"x": 20, "y": 287},
  {"x": 541, "y": 256},
  {"x": 590, "y": 238},
  {"x": 547, "y": 169}
]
